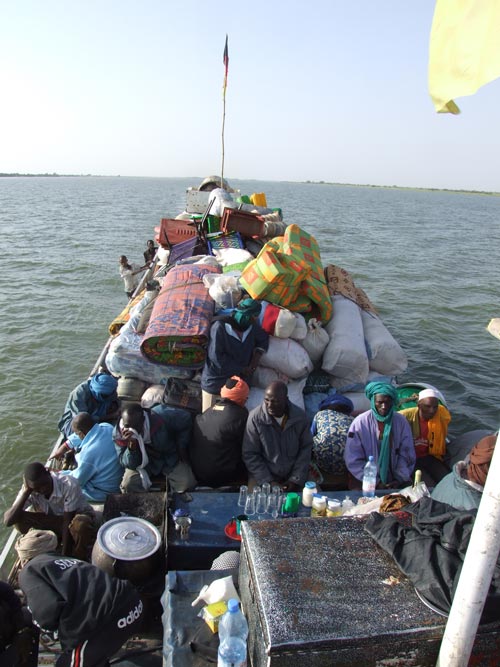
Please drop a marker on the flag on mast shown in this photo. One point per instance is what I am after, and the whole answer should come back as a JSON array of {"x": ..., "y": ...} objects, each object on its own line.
[{"x": 225, "y": 60}]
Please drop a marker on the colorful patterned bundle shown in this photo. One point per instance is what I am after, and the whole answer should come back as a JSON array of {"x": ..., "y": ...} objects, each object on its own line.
[{"x": 289, "y": 273}]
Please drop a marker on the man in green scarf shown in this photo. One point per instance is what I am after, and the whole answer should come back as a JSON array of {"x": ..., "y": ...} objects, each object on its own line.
[{"x": 384, "y": 434}]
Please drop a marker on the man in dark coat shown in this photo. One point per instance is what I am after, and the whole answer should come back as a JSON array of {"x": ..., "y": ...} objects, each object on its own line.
[
  {"x": 278, "y": 442},
  {"x": 218, "y": 435}
]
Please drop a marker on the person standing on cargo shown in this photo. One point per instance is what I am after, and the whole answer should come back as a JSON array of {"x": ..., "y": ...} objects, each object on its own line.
[
  {"x": 235, "y": 347},
  {"x": 277, "y": 443},
  {"x": 128, "y": 272},
  {"x": 150, "y": 252},
  {"x": 151, "y": 443},
  {"x": 93, "y": 613},
  {"x": 383, "y": 433}
]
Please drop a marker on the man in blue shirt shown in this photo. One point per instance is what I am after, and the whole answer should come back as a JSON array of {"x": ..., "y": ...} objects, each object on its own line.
[{"x": 98, "y": 468}]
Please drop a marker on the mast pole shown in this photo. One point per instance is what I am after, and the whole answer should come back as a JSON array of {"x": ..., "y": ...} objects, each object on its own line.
[
  {"x": 476, "y": 574},
  {"x": 225, "y": 60}
]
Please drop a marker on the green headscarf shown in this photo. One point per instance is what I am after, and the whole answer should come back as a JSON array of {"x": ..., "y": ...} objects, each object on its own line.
[
  {"x": 371, "y": 390},
  {"x": 246, "y": 311}
]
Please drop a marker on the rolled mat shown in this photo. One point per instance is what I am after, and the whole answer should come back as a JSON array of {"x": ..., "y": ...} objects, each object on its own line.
[{"x": 179, "y": 326}]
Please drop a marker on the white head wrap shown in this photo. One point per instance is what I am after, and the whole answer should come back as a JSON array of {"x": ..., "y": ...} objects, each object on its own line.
[{"x": 428, "y": 393}]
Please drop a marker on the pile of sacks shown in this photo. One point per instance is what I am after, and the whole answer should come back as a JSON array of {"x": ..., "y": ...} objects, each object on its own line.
[{"x": 320, "y": 324}]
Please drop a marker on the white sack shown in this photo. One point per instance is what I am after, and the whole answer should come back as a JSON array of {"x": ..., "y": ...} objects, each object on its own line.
[
  {"x": 316, "y": 340},
  {"x": 359, "y": 400},
  {"x": 384, "y": 352},
  {"x": 345, "y": 355},
  {"x": 223, "y": 289},
  {"x": 287, "y": 356},
  {"x": 300, "y": 331},
  {"x": 285, "y": 324},
  {"x": 228, "y": 256},
  {"x": 153, "y": 396},
  {"x": 124, "y": 358},
  {"x": 264, "y": 376},
  {"x": 221, "y": 199}
]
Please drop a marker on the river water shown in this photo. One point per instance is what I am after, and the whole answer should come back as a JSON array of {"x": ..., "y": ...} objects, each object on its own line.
[{"x": 426, "y": 260}]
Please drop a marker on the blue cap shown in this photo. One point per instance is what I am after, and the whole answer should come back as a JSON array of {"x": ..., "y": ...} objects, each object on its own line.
[
  {"x": 233, "y": 605},
  {"x": 310, "y": 485}
]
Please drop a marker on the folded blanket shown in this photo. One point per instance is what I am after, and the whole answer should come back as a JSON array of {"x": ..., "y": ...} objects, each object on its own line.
[
  {"x": 340, "y": 281},
  {"x": 179, "y": 326}
]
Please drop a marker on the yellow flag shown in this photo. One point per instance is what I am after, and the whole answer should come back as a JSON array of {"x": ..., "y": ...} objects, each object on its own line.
[{"x": 464, "y": 51}]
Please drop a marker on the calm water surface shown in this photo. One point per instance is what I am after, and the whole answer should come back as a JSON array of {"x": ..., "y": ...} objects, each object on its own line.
[{"x": 426, "y": 259}]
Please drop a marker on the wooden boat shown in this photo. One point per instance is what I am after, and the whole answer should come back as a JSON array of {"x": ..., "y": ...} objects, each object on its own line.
[{"x": 181, "y": 638}]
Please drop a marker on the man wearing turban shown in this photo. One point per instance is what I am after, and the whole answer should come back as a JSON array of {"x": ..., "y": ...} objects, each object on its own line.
[
  {"x": 383, "y": 433},
  {"x": 235, "y": 347},
  {"x": 215, "y": 449},
  {"x": 96, "y": 396},
  {"x": 463, "y": 486}
]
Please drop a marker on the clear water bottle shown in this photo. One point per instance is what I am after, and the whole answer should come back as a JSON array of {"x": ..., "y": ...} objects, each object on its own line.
[
  {"x": 233, "y": 623},
  {"x": 232, "y": 653},
  {"x": 369, "y": 478}
]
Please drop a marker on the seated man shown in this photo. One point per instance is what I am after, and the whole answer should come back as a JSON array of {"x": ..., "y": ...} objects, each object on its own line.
[
  {"x": 277, "y": 442},
  {"x": 218, "y": 435},
  {"x": 384, "y": 434},
  {"x": 96, "y": 396},
  {"x": 98, "y": 469},
  {"x": 429, "y": 425},
  {"x": 463, "y": 486},
  {"x": 151, "y": 443},
  {"x": 57, "y": 503},
  {"x": 92, "y": 613}
]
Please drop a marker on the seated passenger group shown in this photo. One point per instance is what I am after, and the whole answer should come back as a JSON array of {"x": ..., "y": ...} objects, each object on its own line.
[{"x": 125, "y": 450}]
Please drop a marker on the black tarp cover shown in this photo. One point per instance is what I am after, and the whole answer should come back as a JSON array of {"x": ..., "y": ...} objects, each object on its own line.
[{"x": 431, "y": 552}]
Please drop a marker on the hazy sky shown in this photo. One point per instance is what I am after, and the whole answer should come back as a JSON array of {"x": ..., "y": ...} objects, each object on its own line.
[{"x": 332, "y": 90}]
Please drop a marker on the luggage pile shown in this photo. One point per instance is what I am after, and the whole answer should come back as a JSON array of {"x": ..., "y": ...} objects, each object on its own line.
[{"x": 325, "y": 335}]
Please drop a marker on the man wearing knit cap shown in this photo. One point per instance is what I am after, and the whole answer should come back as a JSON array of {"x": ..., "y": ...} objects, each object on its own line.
[
  {"x": 429, "y": 425},
  {"x": 218, "y": 435}
]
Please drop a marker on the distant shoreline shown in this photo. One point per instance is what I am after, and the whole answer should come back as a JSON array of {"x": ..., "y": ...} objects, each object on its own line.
[
  {"x": 54, "y": 175},
  {"x": 405, "y": 187},
  {"x": 351, "y": 185}
]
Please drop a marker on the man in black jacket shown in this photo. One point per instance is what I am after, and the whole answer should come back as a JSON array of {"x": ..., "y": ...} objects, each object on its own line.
[
  {"x": 93, "y": 613},
  {"x": 215, "y": 449}
]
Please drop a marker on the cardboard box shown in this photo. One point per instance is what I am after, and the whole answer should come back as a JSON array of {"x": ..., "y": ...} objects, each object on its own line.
[{"x": 212, "y": 613}]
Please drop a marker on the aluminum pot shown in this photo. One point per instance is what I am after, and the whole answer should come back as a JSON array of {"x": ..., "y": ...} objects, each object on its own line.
[{"x": 128, "y": 548}]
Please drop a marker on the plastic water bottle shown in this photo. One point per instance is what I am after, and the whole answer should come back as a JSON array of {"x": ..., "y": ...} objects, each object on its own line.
[
  {"x": 369, "y": 478},
  {"x": 232, "y": 653},
  {"x": 233, "y": 623}
]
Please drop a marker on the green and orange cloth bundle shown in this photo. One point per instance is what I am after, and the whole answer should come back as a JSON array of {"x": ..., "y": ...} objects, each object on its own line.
[{"x": 288, "y": 272}]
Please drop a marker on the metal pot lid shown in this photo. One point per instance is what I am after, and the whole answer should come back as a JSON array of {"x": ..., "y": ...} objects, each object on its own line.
[{"x": 129, "y": 538}]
